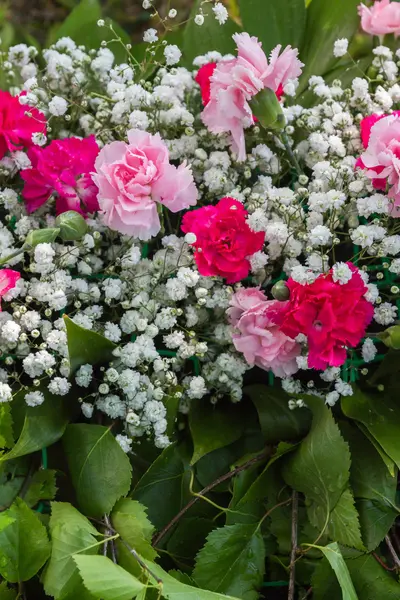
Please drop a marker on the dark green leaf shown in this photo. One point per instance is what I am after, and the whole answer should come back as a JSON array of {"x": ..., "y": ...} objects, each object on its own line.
[
  {"x": 43, "y": 425},
  {"x": 85, "y": 346},
  {"x": 325, "y": 585},
  {"x": 188, "y": 538},
  {"x": 326, "y": 22},
  {"x": 129, "y": 518},
  {"x": 380, "y": 414},
  {"x": 6, "y": 428},
  {"x": 343, "y": 523},
  {"x": 274, "y": 23},
  {"x": 278, "y": 422},
  {"x": 210, "y": 36},
  {"x": 214, "y": 427},
  {"x": 42, "y": 487},
  {"x": 100, "y": 469},
  {"x": 390, "y": 464},
  {"x": 336, "y": 560},
  {"x": 107, "y": 580},
  {"x": 24, "y": 545},
  {"x": 232, "y": 561},
  {"x": 371, "y": 581},
  {"x": 7, "y": 593},
  {"x": 70, "y": 532},
  {"x": 319, "y": 468},
  {"x": 376, "y": 518}
]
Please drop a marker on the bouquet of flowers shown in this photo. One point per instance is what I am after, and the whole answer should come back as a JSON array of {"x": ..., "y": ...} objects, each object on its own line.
[{"x": 199, "y": 286}]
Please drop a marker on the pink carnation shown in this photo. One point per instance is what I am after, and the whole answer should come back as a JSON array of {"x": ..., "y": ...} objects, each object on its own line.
[
  {"x": 224, "y": 241},
  {"x": 132, "y": 178},
  {"x": 382, "y": 156},
  {"x": 333, "y": 316},
  {"x": 235, "y": 82},
  {"x": 62, "y": 168},
  {"x": 16, "y": 127},
  {"x": 383, "y": 17},
  {"x": 8, "y": 279},
  {"x": 258, "y": 337}
]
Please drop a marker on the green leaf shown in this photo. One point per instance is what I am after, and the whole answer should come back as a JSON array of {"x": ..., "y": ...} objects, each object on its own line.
[
  {"x": 211, "y": 35},
  {"x": 336, "y": 560},
  {"x": 390, "y": 464},
  {"x": 343, "y": 523},
  {"x": 232, "y": 561},
  {"x": 43, "y": 425},
  {"x": 7, "y": 593},
  {"x": 70, "y": 532},
  {"x": 161, "y": 489},
  {"x": 214, "y": 427},
  {"x": 188, "y": 538},
  {"x": 107, "y": 580},
  {"x": 100, "y": 469},
  {"x": 326, "y": 22},
  {"x": 85, "y": 346},
  {"x": 376, "y": 519},
  {"x": 274, "y": 23},
  {"x": 6, "y": 428},
  {"x": 319, "y": 468},
  {"x": 278, "y": 422},
  {"x": 371, "y": 581},
  {"x": 380, "y": 414},
  {"x": 42, "y": 487},
  {"x": 130, "y": 520},
  {"x": 24, "y": 545}
]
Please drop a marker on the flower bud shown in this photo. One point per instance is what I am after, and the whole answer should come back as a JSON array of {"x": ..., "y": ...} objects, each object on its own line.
[
  {"x": 41, "y": 236},
  {"x": 266, "y": 107},
  {"x": 72, "y": 226},
  {"x": 280, "y": 291},
  {"x": 391, "y": 337}
]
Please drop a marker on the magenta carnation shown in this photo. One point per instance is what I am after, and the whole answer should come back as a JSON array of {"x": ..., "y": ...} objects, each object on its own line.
[
  {"x": 224, "y": 240},
  {"x": 62, "y": 168},
  {"x": 134, "y": 177},
  {"x": 235, "y": 82},
  {"x": 16, "y": 127},
  {"x": 333, "y": 316},
  {"x": 258, "y": 337},
  {"x": 8, "y": 279}
]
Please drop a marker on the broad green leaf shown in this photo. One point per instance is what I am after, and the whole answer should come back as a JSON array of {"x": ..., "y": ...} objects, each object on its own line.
[
  {"x": 6, "y": 428},
  {"x": 380, "y": 414},
  {"x": 24, "y": 545},
  {"x": 376, "y": 519},
  {"x": 43, "y": 425},
  {"x": 319, "y": 468},
  {"x": 214, "y": 427},
  {"x": 70, "y": 532},
  {"x": 390, "y": 464},
  {"x": 209, "y": 36},
  {"x": 85, "y": 346},
  {"x": 106, "y": 580},
  {"x": 336, "y": 560},
  {"x": 42, "y": 487},
  {"x": 188, "y": 538},
  {"x": 7, "y": 593},
  {"x": 100, "y": 469},
  {"x": 326, "y": 22},
  {"x": 162, "y": 489},
  {"x": 371, "y": 581},
  {"x": 325, "y": 585},
  {"x": 278, "y": 422},
  {"x": 130, "y": 520},
  {"x": 173, "y": 589},
  {"x": 232, "y": 561},
  {"x": 274, "y": 23},
  {"x": 12, "y": 476},
  {"x": 343, "y": 523}
]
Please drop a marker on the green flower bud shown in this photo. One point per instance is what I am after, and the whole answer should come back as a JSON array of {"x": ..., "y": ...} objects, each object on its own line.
[
  {"x": 266, "y": 107},
  {"x": 41, "y": 236},
  {"x": 72, "y": 226},
  {"x": 280, "y": 291},
  {"x": 391, "y": 337}
]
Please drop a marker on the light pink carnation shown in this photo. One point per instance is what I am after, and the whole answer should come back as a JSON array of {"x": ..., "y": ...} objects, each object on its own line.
[
  {"x": 133, "y": 177},
  {"x": 258, "y": 337},
  {"x": 235, "y": 82},
  {"x": 382, "y": 158},
  {"x": 383, "y": 17}
]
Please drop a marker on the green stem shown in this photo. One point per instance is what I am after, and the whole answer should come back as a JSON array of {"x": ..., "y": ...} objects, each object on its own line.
[{"x": 290, "y": 152}]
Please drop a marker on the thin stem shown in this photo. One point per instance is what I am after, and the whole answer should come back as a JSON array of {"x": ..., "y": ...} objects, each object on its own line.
[
  {"x": 392, "y": 551},
  {"x": 5, "y": 260},
  {"x": 292, "y": 156},
  {"x": 292, "y": 566},
  {"x": 384, "y": 565},
  {"x": 141, "y": 562},
  {"x": 109, "y": 531},
  {"x": 208, "y": 488}
]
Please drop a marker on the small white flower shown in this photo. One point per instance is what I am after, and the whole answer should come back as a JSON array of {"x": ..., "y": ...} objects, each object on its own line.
[
  {"x": 172, "y": 54},
  {"x": 331, "y": 398},
  {"x": 58, "y": 106},
  {"x": 150, "y": 36},
  {"x": 220, "y": 12},
  {"x": 199, "y": 20},
  {"x": 341, "y": 273},
  {"x": 34, "y": 398},
  {"x": 146, "y": 4},
  {"x": 5, "y": 392},
  {"x": 39, "y": 139},
  {"x": 340, "y": 47},
  {"x": 100, "y": 23},
  {"x": 190, "y": 238},
  {"x": 368, "y": 350},
  {"x": 124, "y": 442},
  {"x": 172, "y": 13}
]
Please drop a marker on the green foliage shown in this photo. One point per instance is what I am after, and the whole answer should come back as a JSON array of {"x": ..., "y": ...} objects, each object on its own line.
[
  {"x": 232, "y": 561},
  {"x": 274, "y": 23},
  {"x": 214, "y": 427},
  {"x": 24, "y": 545},
  {"x": 6, "y": 426},
  {"x": 278, "y": 423},
  {"x": 7, "y": 593},
  {"x": 100, "y": 470},
  {"x": 42, "y": 486},
  {"x": 371, "y": 581},
  {"x": 106, "y": 580},
  {"x": 85, "y": 346},
  {"x": 334, "y": 556}
]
